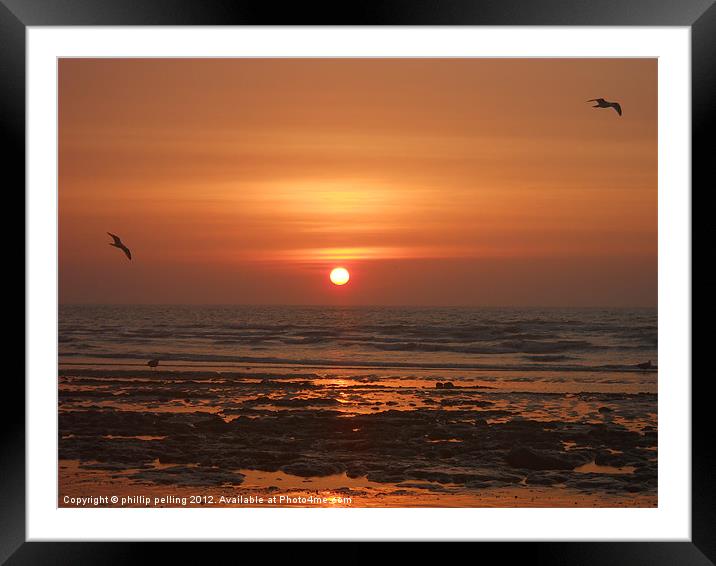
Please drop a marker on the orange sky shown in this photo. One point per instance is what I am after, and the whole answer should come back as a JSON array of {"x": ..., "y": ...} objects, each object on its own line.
[{"x": 434, "y": 181}]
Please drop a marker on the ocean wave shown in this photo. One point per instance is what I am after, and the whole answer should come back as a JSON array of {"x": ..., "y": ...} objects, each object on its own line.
[
  {"x": 523, "y": 339},
  {"x": 170, "y": 357},
  {"x": 507, "y": 347},
  {"x": 357, "y": 333}
]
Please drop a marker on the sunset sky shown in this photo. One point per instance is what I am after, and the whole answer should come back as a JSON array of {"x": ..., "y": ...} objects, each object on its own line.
[{"x": 434, "y": 181}]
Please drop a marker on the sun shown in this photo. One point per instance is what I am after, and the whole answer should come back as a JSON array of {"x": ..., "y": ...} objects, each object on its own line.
[{"x": 340, "y": 276}]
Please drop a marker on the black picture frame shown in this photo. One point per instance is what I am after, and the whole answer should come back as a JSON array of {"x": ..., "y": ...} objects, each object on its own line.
[{"x": 699, "y": 15}]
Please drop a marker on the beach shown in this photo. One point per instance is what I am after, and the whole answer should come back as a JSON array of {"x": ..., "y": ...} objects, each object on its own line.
[{"x": 357, "y": 407}]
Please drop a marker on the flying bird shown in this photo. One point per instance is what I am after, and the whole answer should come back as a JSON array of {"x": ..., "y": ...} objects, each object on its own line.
[
  {"x": 153, "y": 363},
  {"x": 601, "y": 103},
  {"x": 118, "y": 244}
]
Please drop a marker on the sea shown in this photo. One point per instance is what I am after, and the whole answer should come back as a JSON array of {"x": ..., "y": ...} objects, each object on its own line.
[
  {"x": 398, "y": 406},
  {"x": 528, "y": 344}
]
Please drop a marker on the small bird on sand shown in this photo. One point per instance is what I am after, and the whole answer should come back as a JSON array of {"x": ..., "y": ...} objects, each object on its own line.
[
  {"x": 153, "y": 363},
  {"x": 118, "y": 244},
  {"x": 601, "y": 103}
]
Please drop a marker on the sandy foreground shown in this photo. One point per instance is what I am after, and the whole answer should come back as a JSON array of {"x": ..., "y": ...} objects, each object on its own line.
[
  {"x": 76, "y": 485},
  {"x": 203, "y": 439}
]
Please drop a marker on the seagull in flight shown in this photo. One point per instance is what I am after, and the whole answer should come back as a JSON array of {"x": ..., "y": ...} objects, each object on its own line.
[
  {"x": 118, "y": 244},
  {"x": 601, "y": 103}
]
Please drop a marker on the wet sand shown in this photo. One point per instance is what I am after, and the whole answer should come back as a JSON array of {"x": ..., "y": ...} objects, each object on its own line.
[{"x": 351, "y": 438}]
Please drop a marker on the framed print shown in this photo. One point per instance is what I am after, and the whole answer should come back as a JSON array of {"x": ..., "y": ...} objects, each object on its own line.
[{"x": 426, "y": 277}]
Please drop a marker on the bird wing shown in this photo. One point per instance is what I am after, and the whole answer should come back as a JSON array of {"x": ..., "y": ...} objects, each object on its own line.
[
  {"x": 125, "y": 249},
  {"x": 617, "y": 107},
  {"x": 596, "y": 100},
  {"x": 117, "y": 241}
]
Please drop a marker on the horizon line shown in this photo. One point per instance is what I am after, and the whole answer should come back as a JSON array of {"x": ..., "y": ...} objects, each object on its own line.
[{"x": 323, "y": 305}]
